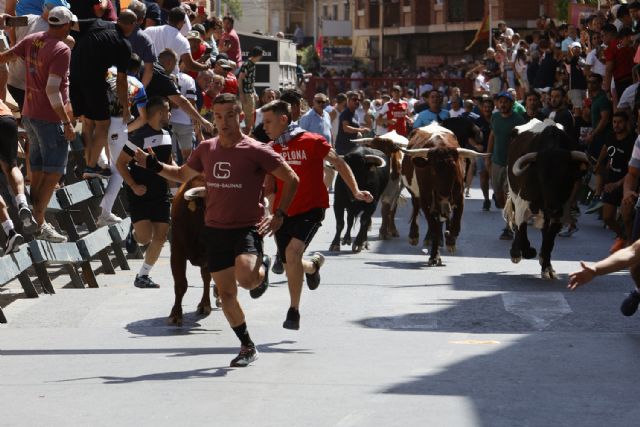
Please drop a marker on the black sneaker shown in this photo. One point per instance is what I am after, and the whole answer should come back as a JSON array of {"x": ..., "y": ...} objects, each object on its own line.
[
  {"x": 29, "y": 224},
  {"x": 630, "y": 304},
  {"x": 247, "y": 355},
  {"x": 145, "y": 281},
  {"x": 130, "y": 243},
  {"x": 262, "y": 287},
  {"x": 293, "y": 319},
  {"x": 313, "y": 279},
  {"x": 486, "y": 205},
  {"x": 91, "y": 172},
  {"x": 506, "y": 234},
  {"x": 14, "y": 240},
  {"x": 278, "y": 267}
]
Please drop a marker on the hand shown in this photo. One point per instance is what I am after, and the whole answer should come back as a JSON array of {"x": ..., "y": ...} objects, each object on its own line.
[
  {"x": 365, "y": 130},
  {"x": 269, "y": 224},
  {"x": 69, "y": 132},
  {"x": 363, "y": 196},
  {"x": 139, "y": 189},
  {"x": 579, "y": 278},
  {"x": 140, "y": 156},
  {"x": 207, "y": 125}
]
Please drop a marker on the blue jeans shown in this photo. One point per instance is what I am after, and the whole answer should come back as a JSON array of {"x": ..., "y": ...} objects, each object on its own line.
[{"x": 48, "y": 148}]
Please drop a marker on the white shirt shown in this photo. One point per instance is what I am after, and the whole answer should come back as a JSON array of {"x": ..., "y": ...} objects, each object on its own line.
[
  {"x": 187, "y": 87},
  {"x": 628, "y": 98},
  {"x": 456, "y": 113},
  {"x": 595, "y": 64},
  {"x": 168, "y": 37}
]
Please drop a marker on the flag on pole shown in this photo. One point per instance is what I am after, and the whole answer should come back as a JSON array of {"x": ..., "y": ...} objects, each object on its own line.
[
  {"x": 319, "y": 44},
  {"x": 482, "y": 33}
]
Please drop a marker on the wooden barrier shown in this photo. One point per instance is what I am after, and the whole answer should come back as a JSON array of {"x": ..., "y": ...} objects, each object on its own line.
[{"x": 16, "y": 265}]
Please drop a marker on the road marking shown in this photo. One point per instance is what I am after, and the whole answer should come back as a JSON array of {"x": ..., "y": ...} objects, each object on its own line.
[{"x": 537, "y": 308}]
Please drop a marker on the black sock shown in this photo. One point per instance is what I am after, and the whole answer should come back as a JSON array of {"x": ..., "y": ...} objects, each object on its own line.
[{"x": 243, "y": 335}]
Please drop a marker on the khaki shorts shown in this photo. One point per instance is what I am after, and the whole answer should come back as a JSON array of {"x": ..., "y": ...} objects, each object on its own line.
[{"x": 499, "y": 179}]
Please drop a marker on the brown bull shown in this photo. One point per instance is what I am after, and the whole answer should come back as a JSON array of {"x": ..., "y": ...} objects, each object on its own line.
[
  {"x": 187, "y": 226},
  {"x": 432, "y": 172}
]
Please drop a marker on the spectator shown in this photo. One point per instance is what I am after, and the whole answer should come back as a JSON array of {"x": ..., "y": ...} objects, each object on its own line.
[
  {"x": 577, "y": 79},
  {"x": 572, "y": 37},
  {"x": 293, "y": 98},
  {"x": 395, "y": 113},
  {"x": 493, "y": 72},
  {"x": 348, "y": 129},
  {"x": 593, "y": 62},
  {"x": 203, "y": 81},
  {"x": 246, "y": 81},
  {"x": 231, "y": 41},
  {"x": 141, "y": 44},
  {"x": 153, "y": 16},
  {"x": 91, "y": 9},
  {"x": 520, "y": 66},
  {"x": 317, "y": 120},
  {"x": 182, "y": 129},
  {"x": 223, "y": 67},
  {"x": 628, "y": 101},
  {"x": 619, "y": 55},
  {"x": 484, "y": 123},
  {"x": 434, "y": 112},
  {"x": 559, "y": 111},
  {"x": 546, "y": 74},
  {"x": 532, "y": 105}
]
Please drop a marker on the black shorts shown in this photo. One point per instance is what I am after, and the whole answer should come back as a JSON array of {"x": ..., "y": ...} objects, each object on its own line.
[
  {"x": 145, "y": 210},
  {"x": 8, "y": 140},
  {"x": 224, "y": 245},
  {"x": 613, "y": 198},
  {"x": 90, "y": 101},
  {"x": 302, "y": 227}
]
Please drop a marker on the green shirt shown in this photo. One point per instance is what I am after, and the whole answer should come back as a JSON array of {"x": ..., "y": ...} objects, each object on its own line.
[
  {"x": 599, "y": 104},
  {"x": 502, "y": 128},
  {"x": 519, "y": 108}
]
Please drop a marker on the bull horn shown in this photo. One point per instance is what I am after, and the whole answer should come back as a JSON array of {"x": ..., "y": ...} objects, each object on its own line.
[
  {"x": 420, "y": 152},
  {"x": 579, "y": 156},
  {"x": 465, "y": 153},
  {"x": 195, "y": 193},
  {"x": 362, "y": 141},
  {"x": 522, "y": 163},
  {"x": 377, "y": 160}
]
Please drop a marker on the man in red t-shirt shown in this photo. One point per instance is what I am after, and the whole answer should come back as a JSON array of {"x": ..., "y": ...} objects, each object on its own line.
[
  {"x": 619, "y": 62},
  {"x": 395, "y": 113},
  {"x": 223, "y": 67},
  {"x": 234, "y": 168},
  {"x": 306, "y": 153}
]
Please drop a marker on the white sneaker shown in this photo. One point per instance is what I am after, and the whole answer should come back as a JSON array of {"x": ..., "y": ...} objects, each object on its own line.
[
  {"x": 109, "y": 219},
  {"x": 48, "y": 233}
]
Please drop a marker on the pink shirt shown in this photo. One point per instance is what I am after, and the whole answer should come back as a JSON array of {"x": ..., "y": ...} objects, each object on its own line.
[
  {"x": 235, "y": 180},
  {"x": 43, "y": 55},
  {"x": 234, "y": 52}
]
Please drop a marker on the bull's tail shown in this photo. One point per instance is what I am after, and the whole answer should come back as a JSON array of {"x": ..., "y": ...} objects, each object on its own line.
[{"x": 509, "y": 213}]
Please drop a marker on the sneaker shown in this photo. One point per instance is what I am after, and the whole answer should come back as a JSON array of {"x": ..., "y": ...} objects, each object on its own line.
[
  {"x": 247, "y": 355},
  {"x": 14, "y": 240},
  {"x": 145, "y": 281},
  {"x": 293, "y": 319},
  {"x": 594, "y": 206},
  {"x": 278, "y": 267},
  {"x": 630, "y": 304},
  {"x": 486, "y": 205},
  {"x": 109, "y": 219},
  {"x": 130, "y": 243},
  {"x": 570, "y": 231},
  {"x": 262, "y": 287},
  {"x": 467, "y": 193},
  {"x": 91, "y": 172},
  {"x": 104, "y": 172},
  {"x": 48, "y": 233},
  {"x": 506, "y": 234},
  {"x": 29, "y": 224},
  {"x": 618, "y": 244},
  {"x": 313, "y": 279}
]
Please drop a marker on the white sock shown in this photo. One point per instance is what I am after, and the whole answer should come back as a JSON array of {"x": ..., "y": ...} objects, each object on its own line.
[
  {"x": 7, "y": 226},
  {"x": 145, "y": 269},
  {"x": 21, "y": 199}
]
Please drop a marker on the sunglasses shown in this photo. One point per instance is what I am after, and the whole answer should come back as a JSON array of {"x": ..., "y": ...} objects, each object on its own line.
[{"x": 320, "y": 101}]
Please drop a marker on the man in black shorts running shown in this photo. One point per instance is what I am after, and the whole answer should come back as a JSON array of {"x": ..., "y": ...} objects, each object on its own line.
[
  {"x": 234, "y": 167},
  {"x": 147, "y": 192},
  {"x": 306, "y": 153}
]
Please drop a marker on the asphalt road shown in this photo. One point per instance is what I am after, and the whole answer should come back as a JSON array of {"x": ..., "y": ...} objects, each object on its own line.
[{"x": 384, "y": 341}]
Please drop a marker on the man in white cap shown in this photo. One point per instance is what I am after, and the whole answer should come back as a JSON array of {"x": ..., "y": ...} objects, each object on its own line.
[
  {"x": 45, "y": 115},
  {"x": 577, "y": 79}
]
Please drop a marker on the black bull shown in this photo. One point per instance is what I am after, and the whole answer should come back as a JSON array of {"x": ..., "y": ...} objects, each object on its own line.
[{"x": 543, "y": 168}]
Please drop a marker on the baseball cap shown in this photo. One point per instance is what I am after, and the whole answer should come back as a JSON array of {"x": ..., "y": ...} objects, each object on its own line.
[
  {"x": 193, "y": 35},
  {"x": 225, "y": 64},
  {"x": 54, "y": 3},
  {"x": 505, "y": 95},
  {"x": 575, "y": 44},
  {"x": 61, "y": 15}
]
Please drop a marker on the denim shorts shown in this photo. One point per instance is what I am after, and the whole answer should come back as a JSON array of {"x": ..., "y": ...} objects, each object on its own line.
[{"x": 48, "y": 148}]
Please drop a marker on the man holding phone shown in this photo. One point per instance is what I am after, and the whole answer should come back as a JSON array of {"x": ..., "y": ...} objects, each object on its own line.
[{"x": 231, "y": 41}]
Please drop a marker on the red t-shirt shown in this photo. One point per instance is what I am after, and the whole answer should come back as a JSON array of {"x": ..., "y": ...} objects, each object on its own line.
[
  {"x": 622, "y": 58},
  {"x": 398, "y": 111},
  {"x": 197, "y": 55},
  {"x": 43, "y": 55},
  {"x": 234, "y": 52},
  {"x": 305, "y": 154},
  {"x": 230, "y": 84},
  {"x": 235, "y": 180}
]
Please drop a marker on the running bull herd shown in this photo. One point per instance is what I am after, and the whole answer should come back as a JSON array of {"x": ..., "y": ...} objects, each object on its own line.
[{"x": 543, "y": 169}]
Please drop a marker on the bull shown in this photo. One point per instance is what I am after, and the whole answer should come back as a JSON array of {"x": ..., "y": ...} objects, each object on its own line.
[
  {"x": 543, "y": 168},
  {"x": 370, "y": 168},
  {"x": 187, "y": 225},
  {"x": 390, "y": 144},
  {"x": 432, "y": 171}
]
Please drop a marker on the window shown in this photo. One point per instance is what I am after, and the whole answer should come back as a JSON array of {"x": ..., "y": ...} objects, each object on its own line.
[
  {"x": 335, "y": 11},
  {"x": 347, "y": 7},
  {"x": 325, "y": 11}
]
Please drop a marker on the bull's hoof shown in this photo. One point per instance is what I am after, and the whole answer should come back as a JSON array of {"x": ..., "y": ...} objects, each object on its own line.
[
  {"x": 346, "y": 241},
  {"x": 384, "y": 236},
  {"x": 549, "y": 273},
  {"x": 356, "y": 248},
  {"x": 516, "y": 260},
  {"x": 394, "y": 233},
  {"x": 334, "y": 248},
  {"x": 451, "y": 249},
  {"x": 529, "y": 253},
  {"x": 175, "y": 318},
  {"x": 413, "y": 241},
  {"x": 434, "y": 262},
  {"x": 218, "y": 302},
  {"x": 204, "y": 309},
  {"x": 366, "y": 245}
]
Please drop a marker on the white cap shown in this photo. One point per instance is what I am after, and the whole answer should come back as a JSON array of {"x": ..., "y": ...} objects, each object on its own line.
[
  {"x": 575, "y": 44},
  {"x": 61, "y": 15}
]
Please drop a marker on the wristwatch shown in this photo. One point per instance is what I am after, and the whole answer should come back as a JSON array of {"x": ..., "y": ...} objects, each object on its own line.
[{"x": 280, "y": 213}]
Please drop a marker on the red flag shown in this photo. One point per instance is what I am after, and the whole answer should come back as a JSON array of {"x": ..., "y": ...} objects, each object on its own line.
[
  {"x": 482, "y": 33},
  {"x": 319, "y": 44}
]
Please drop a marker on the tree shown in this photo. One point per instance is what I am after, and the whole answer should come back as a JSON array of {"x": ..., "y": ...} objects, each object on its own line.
[
  {"x": 563, "y": 8},
  {"x": 309, "y": 58},
  {"x": 233, "y": 7}
]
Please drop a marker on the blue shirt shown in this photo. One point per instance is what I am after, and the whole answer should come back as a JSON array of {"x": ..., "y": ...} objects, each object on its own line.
[
  {"x": 315, "y": 123},
  {"x": 427, "y": 116},
  {"x": 29, "y": 7}
]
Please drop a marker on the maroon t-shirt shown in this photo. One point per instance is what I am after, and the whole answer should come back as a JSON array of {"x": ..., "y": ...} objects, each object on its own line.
[{"x": 235, "y": 180}]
